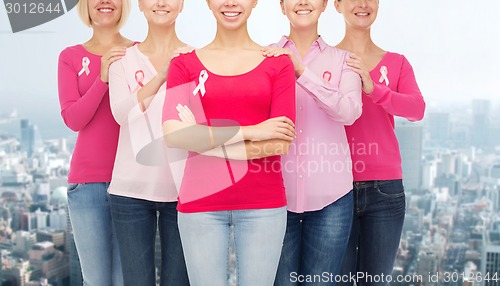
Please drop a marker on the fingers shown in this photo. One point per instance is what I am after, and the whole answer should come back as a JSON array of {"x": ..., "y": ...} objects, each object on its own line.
[
  {"x": 183, "y": 118},
  {"x": 113, "y": 55},
  {"x": 181, "y": 51},
  {"x": 274, "y": 52},
  {"x": 285, "y": 133},
  {"x": 114, "y": 59},
  {"x": 185, "y": 114},
  {"x": 283, "y": 119},
  {"x": 184, "y": 50},
  {"x": 354, "y": 56},
  {"x": 284, "y": 128},
  {"x": 357, "y": 66},
  {"x": 115, "y": 51}
]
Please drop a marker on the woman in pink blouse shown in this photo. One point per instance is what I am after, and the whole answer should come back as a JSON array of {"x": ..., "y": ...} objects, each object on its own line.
[
  {"x": 84, "y": 100},
  {"x": 317, "y": 170},
  {"x": 143, "y": 196},
  {"x": 389, "y": 89}
]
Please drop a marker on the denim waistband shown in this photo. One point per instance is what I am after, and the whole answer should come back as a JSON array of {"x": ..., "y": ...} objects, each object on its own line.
[{"x": 372, "y": 184}]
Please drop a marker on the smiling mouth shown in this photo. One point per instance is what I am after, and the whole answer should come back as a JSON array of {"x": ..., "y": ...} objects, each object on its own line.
[
  {"x": 161, "y": 12},
  {"x": 362, "y": 14},
  {"x": 231, "y": 14},
  {"x": 105, "y": 10},
  {"x": 303, "y": 12}
]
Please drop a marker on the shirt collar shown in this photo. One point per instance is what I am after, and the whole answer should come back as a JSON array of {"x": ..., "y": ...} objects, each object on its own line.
[{"x": 319, "y": 42}]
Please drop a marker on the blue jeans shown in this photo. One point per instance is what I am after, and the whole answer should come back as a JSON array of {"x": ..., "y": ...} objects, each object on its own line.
[
  {"x": 315, "y": 243},
  {"x": 379, "y": 211},
  {"x": 94, "y": 235},
  {"x": 258, "y": 236},
  {"x": 136, "y": 222}
]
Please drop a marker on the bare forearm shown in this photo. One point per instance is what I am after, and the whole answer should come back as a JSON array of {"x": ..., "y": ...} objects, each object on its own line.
[
  {"x": 249, "y": 150},
  {"x": 199, "y": 138},
  {"x": 146, "y": 94}
]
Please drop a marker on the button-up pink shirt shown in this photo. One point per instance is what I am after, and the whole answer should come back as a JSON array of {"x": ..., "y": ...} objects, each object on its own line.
[{"x": 318, "y": 169}]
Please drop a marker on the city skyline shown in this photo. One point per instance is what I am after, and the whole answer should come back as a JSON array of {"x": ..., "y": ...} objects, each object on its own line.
[{"x": 451, "y": 231}]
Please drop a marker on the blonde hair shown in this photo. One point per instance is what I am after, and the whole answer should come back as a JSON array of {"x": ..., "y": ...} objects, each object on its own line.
[{"x": 83, "y": 11}]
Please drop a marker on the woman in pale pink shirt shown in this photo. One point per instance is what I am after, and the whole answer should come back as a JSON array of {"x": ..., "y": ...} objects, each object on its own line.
[
  {"x": 143, "y": 196},
  {"x": 389, "y": 89},
  {"x": 84, "y": 100},
  {"x": 317, "y": 169}
]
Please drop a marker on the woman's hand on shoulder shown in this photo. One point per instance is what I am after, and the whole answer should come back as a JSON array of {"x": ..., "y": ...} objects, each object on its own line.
[
  {"x": 275, "y": 52},
  {"x": 356, "y": 64},
  {"x": 111, "y": 56},
  {"x": 179, "y": 51}
]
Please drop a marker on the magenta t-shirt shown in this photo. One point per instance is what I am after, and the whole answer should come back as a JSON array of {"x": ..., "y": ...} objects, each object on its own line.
[
  {"x": 215, "y": 184},
  {"x": 85, "y": 108},
  {"x": 374, "y": 146}
]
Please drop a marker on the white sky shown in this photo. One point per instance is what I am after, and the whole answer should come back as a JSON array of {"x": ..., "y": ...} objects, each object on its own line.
[{"x": 453, "y": 45}]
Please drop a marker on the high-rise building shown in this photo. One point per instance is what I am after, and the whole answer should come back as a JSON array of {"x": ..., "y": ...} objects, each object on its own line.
[
  {"x": 48, "y": 262},
  {"x": 490, "y": 259},
  {"x": 41, "y": 219},
  {"x": 56, "y": 237},
  {"x": 57, "y": 219},
  {"x": 24, "y": 241},
  {"x": 30, "y": 137},
  {"x": 480, "y": 123},
  {"x": 75, "y": 271},
  {"x": 427, "y": 264},
  {"x": 11, "y": 126},
  {"x": 410, "y": 145},
  {"x": 437, "y": 124},
  {"x": 27, "y": 137},
  {"x": 429, "y": 173},
  {"x": 1, "y": 267}
]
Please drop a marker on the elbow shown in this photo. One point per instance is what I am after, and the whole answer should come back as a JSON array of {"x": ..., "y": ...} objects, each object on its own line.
[
  {"x": 170, "y": 141},
  {"x": 120, "y": 120},
  {"x": 358, "y": 110},
  {"x": 350, "y": 121},
  {"x": 352, "y": 114},
  {"x": 73, "y": 127},
  {"x": 121, "y": 117},
  {"x": 420, "y": 112},
  {"x": 355, "y": 115},
  {"x": 169, "y": 136},
  {"x": 71, "y": 124}
]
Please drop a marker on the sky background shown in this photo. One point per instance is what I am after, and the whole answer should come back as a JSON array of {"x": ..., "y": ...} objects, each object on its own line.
[{"x": 453, "y": 46}]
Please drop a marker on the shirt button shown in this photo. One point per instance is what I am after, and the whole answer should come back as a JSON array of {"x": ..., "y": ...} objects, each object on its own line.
[
  {"x": 300, "y": 107},
  {"x": 300, "y": 131},
  {"x": 300, "y": 176}
]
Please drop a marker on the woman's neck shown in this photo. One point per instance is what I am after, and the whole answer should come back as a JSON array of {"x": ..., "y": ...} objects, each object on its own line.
[
  {"x": 160, "y": 40},
  {"x": 303, "y": 39},
  {"x": 105, "y": 37},
  {"x": 357, "y": 41},
  {"x": 232, "y": 39}
]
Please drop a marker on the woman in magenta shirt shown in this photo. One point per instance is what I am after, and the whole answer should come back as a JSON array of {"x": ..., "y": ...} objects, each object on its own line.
[
  {"x": 232, "y": 175},
  {"x": 84, "y": 100},
  {"x": 318, "y": 168},
  {"x": 389, "y": 89}
]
